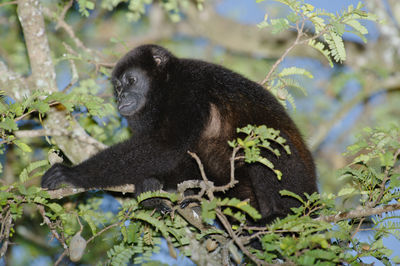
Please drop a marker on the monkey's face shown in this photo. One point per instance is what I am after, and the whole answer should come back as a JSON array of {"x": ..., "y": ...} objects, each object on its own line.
[{"x": 131, "y": 89}]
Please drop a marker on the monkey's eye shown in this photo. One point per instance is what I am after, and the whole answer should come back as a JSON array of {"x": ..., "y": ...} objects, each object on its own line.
[{"x": 131, "y": 79}]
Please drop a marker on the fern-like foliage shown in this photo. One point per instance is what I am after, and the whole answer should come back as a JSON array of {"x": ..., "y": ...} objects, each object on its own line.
[
  {"x": 257, "y": 138},
  {"x": 320, "y": 30},
  {"x": 157, "y": 194},
  {"x": 24, "y": 176},
  {"x": 121, "y": 254}
]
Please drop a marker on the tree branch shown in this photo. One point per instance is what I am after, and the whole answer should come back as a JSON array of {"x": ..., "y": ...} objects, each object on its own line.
[
  {"x": 32, "y": 22},
  {"x": 68, "y": 29},
  {"x": 68, "y": 191},
  {"x": 6, "y": 225},
  {"x": 43, "y": 75},
  {"x": 59, "y": 132},
  {"x": 359, "y": 213},
  {"x": 12, "y": 83}
]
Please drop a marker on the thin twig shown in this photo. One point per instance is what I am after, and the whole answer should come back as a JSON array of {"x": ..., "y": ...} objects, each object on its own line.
[
  {"x": 385, "y": 180},
  {"x": 47, "y": 221},
  {"x": 64, "y": 12},
  {"x": 357, "y": 229},
  {"x": 61, "y": 23},
  {"x": 235, "y": 238},
  {"x": 103, "y": 230},
  {"x": 200, "y": 165},
  {"x": 79, "y": 222},
  {"x": 232, "y": 181},
  {"x": 58, "y": 261},
  {"x": 33, "y": 111},
  {"x": 297, "y": 41},
  {"x": 290, "y": 48}
]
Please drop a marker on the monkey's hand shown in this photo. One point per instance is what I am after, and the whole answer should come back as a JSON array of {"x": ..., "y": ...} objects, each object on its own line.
[{"x": 57, "y": 176}]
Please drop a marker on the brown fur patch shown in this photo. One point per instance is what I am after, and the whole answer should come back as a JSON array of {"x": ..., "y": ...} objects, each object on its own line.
[
  {"x": 213, "y": 148},
  {"x": 214, "y": 125}
]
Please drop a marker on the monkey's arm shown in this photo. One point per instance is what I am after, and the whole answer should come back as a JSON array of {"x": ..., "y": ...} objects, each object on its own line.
[{"x": 135, "y": 162}]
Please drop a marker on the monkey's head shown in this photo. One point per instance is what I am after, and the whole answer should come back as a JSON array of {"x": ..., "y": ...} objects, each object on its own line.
[{"x": 139, "y": 76}]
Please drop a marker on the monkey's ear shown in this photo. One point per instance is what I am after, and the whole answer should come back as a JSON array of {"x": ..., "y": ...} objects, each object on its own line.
[
  {"x": 160, "y": 56},
  {"x": 159, "y": 60}
]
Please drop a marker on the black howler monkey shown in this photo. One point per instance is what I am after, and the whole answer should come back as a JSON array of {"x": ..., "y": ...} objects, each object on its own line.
[{"x": 177, "y": 105}]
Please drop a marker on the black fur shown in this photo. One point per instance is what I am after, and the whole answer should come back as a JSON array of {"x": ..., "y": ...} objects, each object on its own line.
[{"x": 177, "y": 105}]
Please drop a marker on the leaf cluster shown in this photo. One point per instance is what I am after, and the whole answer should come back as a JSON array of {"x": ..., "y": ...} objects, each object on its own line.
[
  {"x": 39, "y": 103},
  {"x": 257, "y": 138},
  {"x": 137, "y": 8},
  {"x": 318, "y": 29}
]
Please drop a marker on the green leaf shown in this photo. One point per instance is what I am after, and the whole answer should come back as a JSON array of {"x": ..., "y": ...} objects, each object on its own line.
[
  {"x": 295, "y": 71},
  {"x": 3, "y": 107},
  {"x": 339, "y": 28},
  {"x": 357, "y": 26},
  {"x": 89, "y": 5},
  {"x": 8, "y": 124},
  {"x": 40, "y": 200},
  {"x": 321, "y": 48},
  {"x": 346, "y": 191},
  {"x": 387, "y": 159},
  {"x": 55, "y": 207},
  {"x": 41, "y": 107},
  {"x": 265, "y": 162},
  {"x": 16, "y": 108},
  {"x": 211, "y": 231},
  {"x": 396, "y": 259},
  {"x": 279, "y": 25},
  {"x": 208, "y": 210},
  {"x": 24, "y": 176},
  {"x": 157, "y": 194},
  {"x": 120, "y": 254},
  {"x": 336, "y": 45},
  {"x": 278, "y": 174},
  {"x": 159, "y": 225},
  {"x": 362, "y": 158},
  {"x": 23, "y": 146},
  {"x": 90, "y": 220},
  {"x": 241, "y": 205},
  {"x": 291, "y": 194},
  {"x": 319, "y": 23}
]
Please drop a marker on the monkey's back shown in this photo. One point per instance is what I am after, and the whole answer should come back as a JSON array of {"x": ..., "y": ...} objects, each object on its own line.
[{"x": 234, "y": 101}]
